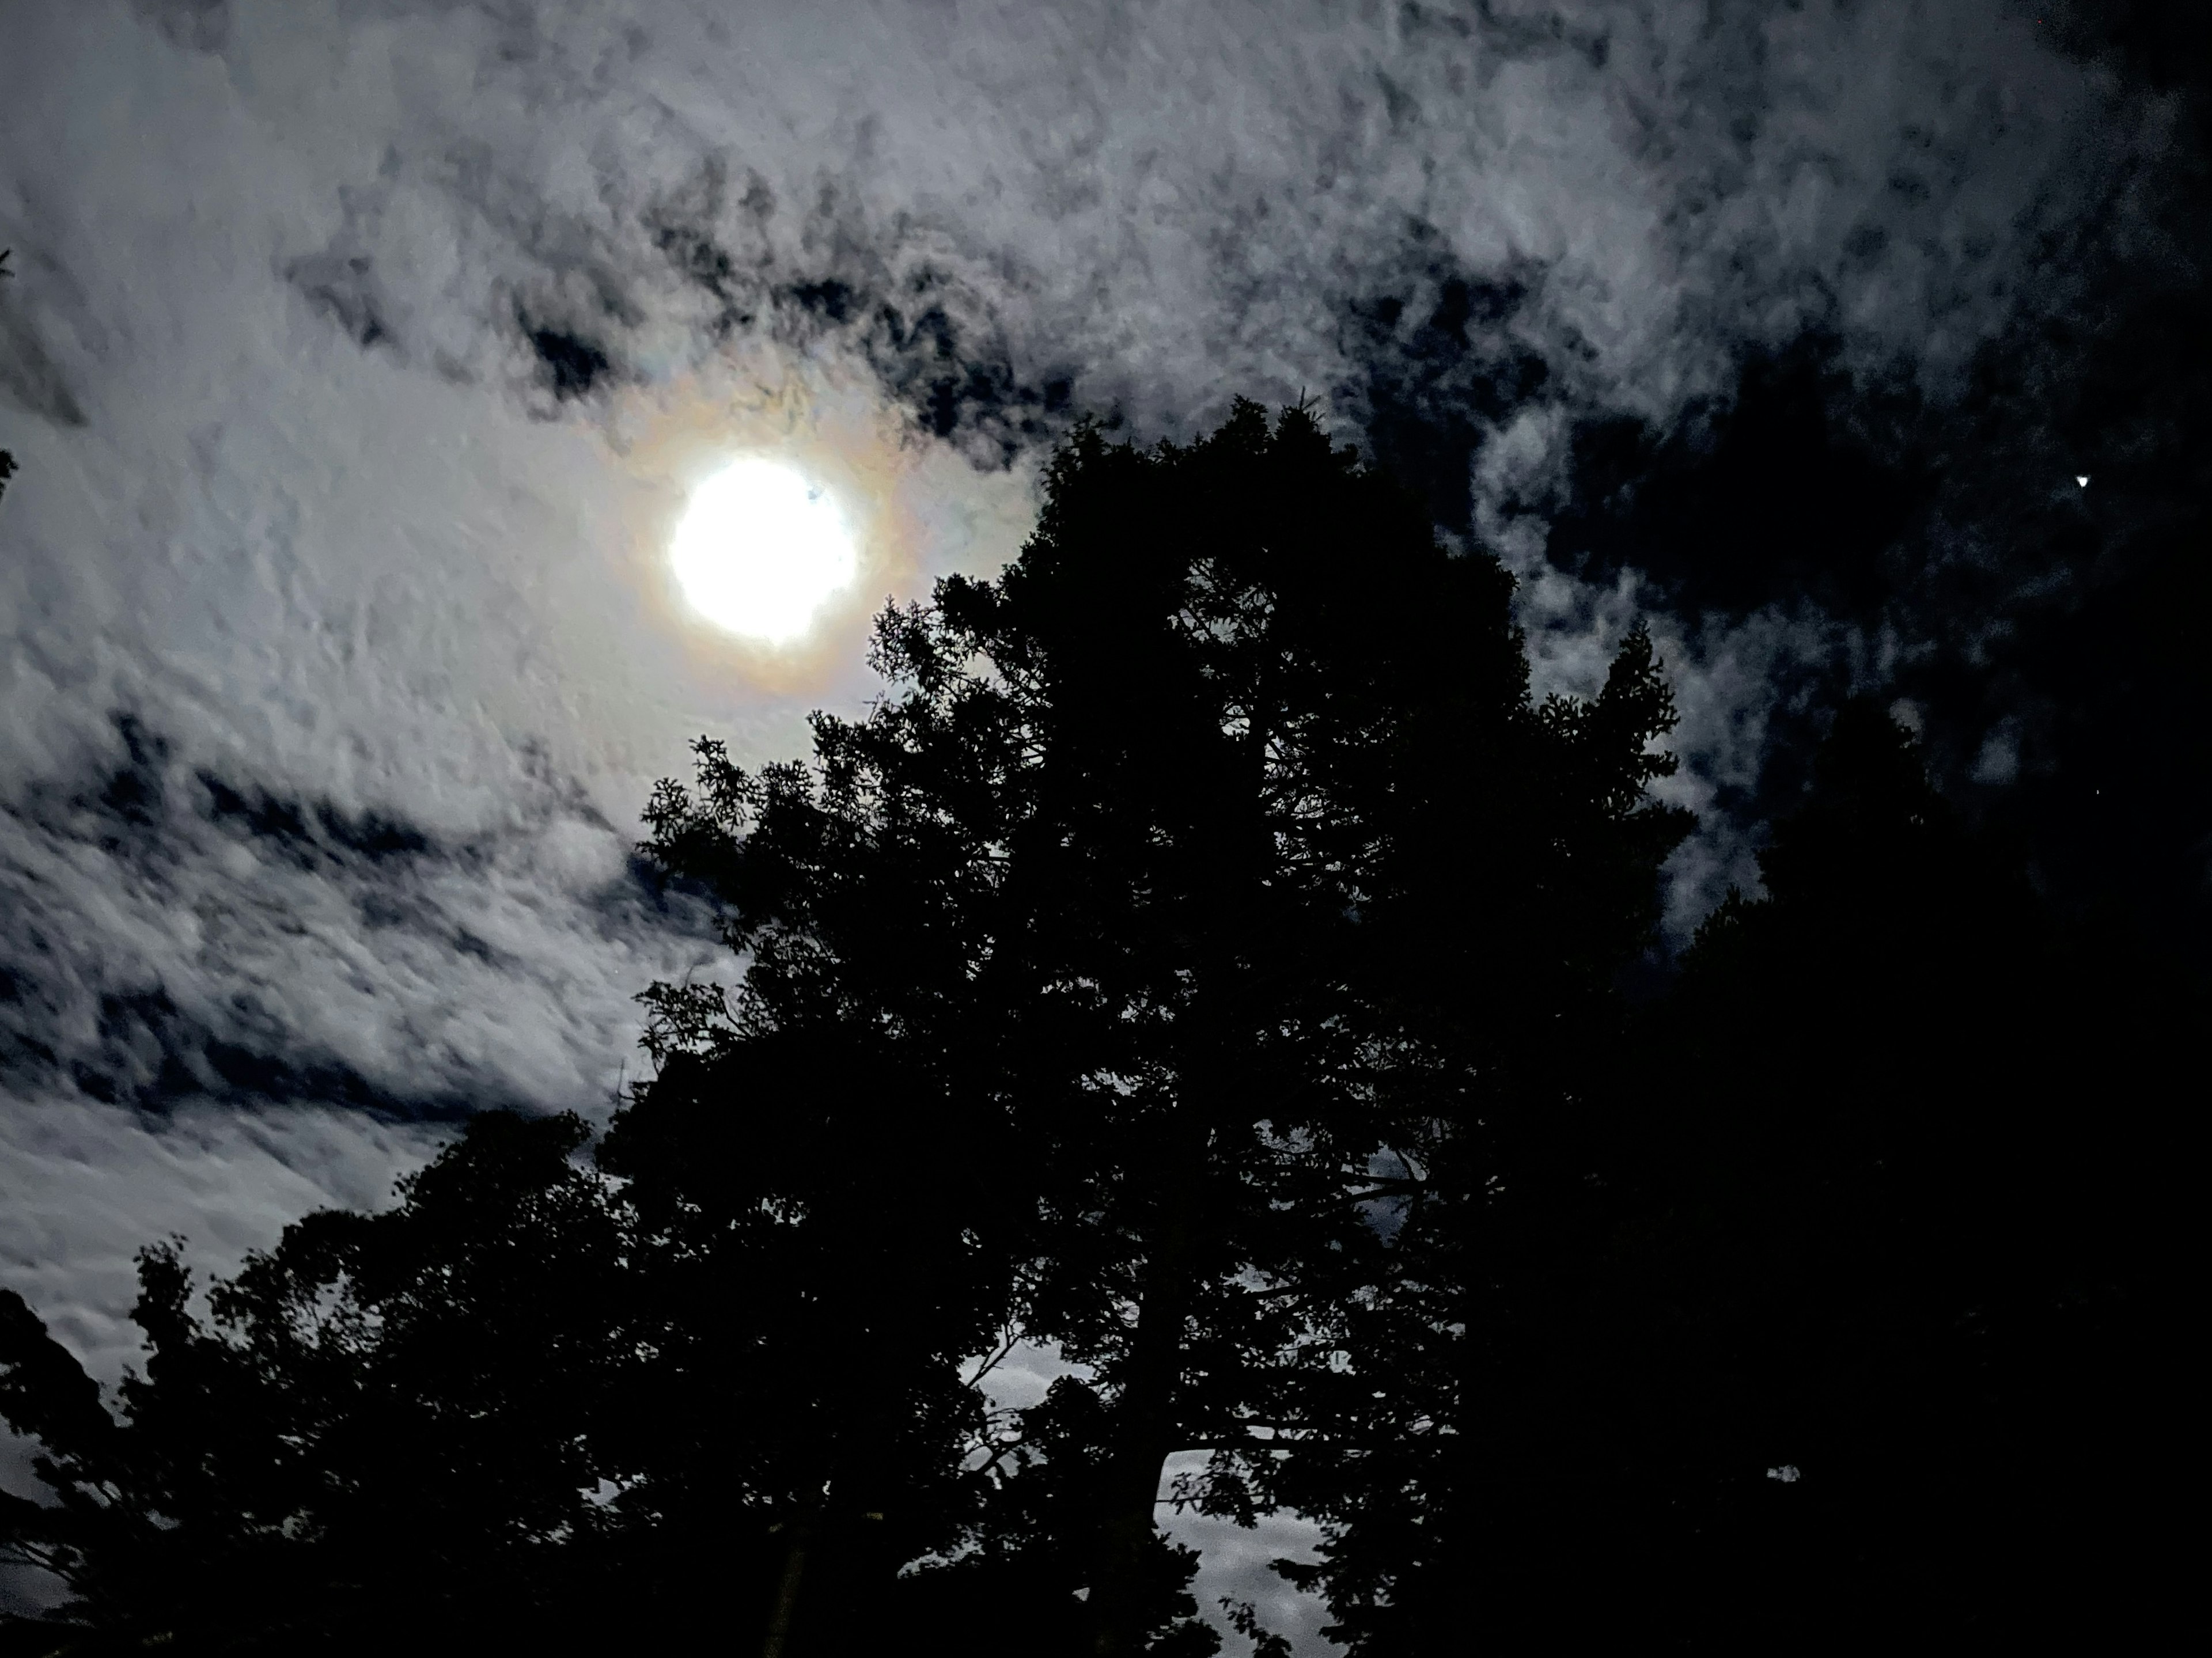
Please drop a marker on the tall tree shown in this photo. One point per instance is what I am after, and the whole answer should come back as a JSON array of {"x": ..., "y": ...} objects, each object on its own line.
[
  {"x": 1434, "y": 1419},
  {"x": 1205, "y": 902},
  {"x": 1900, "y": 1207},
  {"x": 385, "y": 1428},
  {"x": 1197, "y": 858},
  {"x": 810, "y": 1273},
  {"x": 1823, "y": 1315}
]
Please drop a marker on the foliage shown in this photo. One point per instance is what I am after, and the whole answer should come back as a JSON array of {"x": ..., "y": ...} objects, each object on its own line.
[
  {"x": 376, "y": 1430},
  {"x": 1830, "y": 1324},
  {"x": 1211, "y": 853},
  {"x": 1203, "y": 959}
]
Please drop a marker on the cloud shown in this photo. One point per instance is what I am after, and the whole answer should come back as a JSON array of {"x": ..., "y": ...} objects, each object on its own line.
[
  {"x": 174, "y": 936},
  {"x": 87, "y": 1185}
]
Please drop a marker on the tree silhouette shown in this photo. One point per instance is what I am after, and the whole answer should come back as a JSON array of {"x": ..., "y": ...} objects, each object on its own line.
[
  {"x": 382, "y": 1430},
  {"x": 1824, "y": 1318},
  {"x": 1177, "y": 965},
  {"x": 1895, "y": 1156},
  {"x": 1204, "y": 958},
  {"x": 808, "y": 1269},
  {"x": 1209, "y": 852}
]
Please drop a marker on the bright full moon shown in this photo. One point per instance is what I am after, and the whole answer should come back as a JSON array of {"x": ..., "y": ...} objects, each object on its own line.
[{"x": 761, "y": 550}]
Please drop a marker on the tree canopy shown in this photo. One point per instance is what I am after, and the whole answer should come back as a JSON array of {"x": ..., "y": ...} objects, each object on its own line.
[{"x": 1204, "y": 960}]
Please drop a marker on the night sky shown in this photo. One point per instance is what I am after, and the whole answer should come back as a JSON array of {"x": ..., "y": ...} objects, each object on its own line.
[{"x": 359, "y": 354}]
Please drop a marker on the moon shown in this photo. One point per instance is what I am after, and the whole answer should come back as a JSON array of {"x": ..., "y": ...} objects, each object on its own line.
[{"x": 761, "y": 551}]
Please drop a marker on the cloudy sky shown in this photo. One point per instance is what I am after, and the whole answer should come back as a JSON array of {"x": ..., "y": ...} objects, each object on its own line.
[{"x": 360, "y": 356}]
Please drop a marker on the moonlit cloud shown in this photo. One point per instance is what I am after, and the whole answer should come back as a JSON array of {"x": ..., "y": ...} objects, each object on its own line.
[{"x": 364, "y": 352}]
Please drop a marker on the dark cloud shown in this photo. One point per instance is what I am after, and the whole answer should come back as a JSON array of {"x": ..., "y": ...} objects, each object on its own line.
[
  {"x": 30, "y": 379},
  {"x": 195, "y": 25},
  {"x": 1762, "y": 497},
  {"x": 1441, "y": 366},
  {"x": 932, "y": 334},
  {"x": 343, "y": 288},
  {"x": 572, "y": 364},
  {"x": 302, "y": 951}
]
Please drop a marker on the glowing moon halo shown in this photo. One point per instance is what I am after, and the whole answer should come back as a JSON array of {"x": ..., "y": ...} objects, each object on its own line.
[{"x": 760, "y": 551}]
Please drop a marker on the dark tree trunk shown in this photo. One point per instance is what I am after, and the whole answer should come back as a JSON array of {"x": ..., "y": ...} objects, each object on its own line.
[
  {"x": 783, "y": 1612},
  {"x": 1145, "y": 1419}
]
